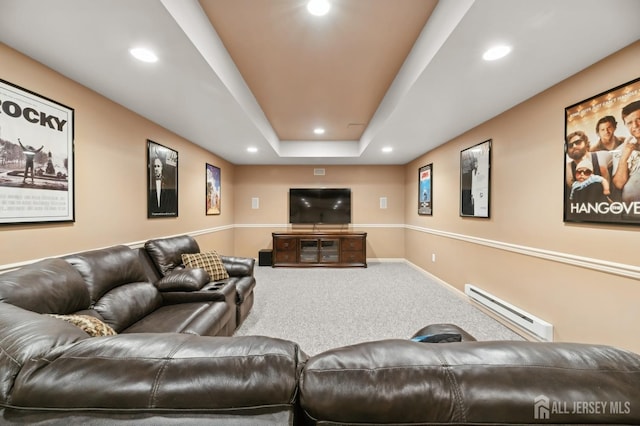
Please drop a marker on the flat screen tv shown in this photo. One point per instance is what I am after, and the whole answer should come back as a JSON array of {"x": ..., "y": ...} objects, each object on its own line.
[{"x": 320, "y": 206}]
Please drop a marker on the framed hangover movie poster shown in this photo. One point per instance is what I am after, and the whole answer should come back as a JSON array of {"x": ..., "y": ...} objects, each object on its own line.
[
  {"x": 475, "y": 178},
  {"x": 425, "y": 182},
  {"x": 162, "y": 181},
  {"x": 212, "y": 202},
  {"x": 36, "y": 158},
  {"x": 602, "y": 157}
]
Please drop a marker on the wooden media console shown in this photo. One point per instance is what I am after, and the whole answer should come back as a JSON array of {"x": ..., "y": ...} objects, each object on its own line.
[{"x": 330, "y": 249}]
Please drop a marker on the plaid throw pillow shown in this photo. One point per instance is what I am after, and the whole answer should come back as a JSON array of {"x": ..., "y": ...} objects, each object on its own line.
[
  {"x": 209, "y": 261},
  {"x": 90, "y": 325}
]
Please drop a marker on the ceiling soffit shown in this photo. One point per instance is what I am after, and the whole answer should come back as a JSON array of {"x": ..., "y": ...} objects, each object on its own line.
[{"x": 308, "y": 71}]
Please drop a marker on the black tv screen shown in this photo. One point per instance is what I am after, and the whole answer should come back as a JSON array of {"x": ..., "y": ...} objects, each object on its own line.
[{"x": 320, "y": 206}]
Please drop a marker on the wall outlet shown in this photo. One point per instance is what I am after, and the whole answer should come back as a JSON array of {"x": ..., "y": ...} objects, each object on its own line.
[{"x": 433, "y": 257}]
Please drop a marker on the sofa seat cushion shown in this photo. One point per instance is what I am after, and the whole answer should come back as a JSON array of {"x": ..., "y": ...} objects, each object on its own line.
[
  {"x": 164, "y": 372},
  {"x": 204, "y": 318},
  {"x": 87, "y": 323},
  {"x": 209, "y": 261},
  {"x": 50, "y": 286}
]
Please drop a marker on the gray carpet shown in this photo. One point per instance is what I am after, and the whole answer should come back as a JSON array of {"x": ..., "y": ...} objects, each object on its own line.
[{"x": 324, "y": 308}]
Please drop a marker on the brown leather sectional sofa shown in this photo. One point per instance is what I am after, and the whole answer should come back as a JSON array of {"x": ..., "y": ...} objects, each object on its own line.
[{"x": 171, "y": 360}]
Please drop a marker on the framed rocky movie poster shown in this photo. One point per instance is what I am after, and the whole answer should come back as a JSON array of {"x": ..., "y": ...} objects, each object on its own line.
[
  {"x": 36, "y": 158},
  {"x": 602, "y": 157},
  {"x": 425, "y": 186},
  {"x": 162, "y": 181}
]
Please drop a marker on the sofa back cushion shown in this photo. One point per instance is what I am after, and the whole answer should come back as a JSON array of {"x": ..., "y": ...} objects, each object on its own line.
[
  {"x": 166, "y": 253},
  {"x": 117, "y": 283},
  {"x": 499, "y": 382},
  {"x": 50, "y": 286},
  {"x": 105, "y": 269},
  {"x": 127, "y": 304},
  {"x": 166, "y": 373}
]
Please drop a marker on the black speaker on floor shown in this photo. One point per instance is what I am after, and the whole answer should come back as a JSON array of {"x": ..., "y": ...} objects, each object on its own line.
[{"x": 264, "y": 257}]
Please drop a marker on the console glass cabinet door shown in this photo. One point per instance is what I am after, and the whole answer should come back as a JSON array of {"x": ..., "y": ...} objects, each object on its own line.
[{"x": 308, "y": 250}]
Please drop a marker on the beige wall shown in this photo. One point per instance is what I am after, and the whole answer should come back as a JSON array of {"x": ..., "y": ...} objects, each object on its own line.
[
  {"x": 571, "y": 275},
  {"x": 110, "y": 181},
  {"x": 384, "y": 227}
]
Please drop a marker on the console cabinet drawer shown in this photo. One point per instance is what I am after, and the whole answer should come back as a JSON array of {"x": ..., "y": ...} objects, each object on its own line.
[
  {"x": 286, "y": 257},
  {"x": 352, "y": 257},
  {"x": 349, "y": 243},
  {"x": 286, "y": 244}
]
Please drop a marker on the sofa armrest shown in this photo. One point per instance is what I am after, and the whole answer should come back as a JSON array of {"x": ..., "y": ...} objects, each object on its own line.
[
  {"x": 238, "y": 266},
  {"x": 187, "y": 279}
]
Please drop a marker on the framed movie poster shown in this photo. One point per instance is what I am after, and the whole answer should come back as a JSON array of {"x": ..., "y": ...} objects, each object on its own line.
[
  {"x": 212, "y": 202},
  {"x": 602, "y": 157},
  {"x": 425, "y": 182},
  {"x": 475, "y": 179},
  {"x": 36, "y": 158},
  {"x": 162, "y": 181}
]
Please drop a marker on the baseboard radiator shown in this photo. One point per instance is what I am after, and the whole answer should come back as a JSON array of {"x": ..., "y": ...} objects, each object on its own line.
[{"x": 517, "y": 316}]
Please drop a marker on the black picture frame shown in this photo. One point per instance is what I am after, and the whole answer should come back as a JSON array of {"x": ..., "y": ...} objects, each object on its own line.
[
  {"x": 601, "y": 134},
  {"x": 162, "y": 181},
  {"x": 37, "y": 166},
  {"x": 425, "y": 190},
  {"x": 475, "y": 180},
  {"x": 213, "y": 196}
]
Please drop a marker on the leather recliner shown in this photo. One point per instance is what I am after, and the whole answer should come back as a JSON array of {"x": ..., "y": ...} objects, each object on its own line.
[{"x": 165, "y": 255}]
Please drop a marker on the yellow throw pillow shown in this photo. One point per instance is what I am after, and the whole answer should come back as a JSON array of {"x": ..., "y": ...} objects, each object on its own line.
[
  {"x": 209, "y": 261},
  {"x": 90, "y": 325}
]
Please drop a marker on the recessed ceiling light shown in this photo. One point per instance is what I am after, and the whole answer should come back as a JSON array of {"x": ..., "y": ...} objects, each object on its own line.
[
  {"x": 318, "y": 7},
  {"x": 496, "y": 52},
  {"x": 318, "y": 131},
  {"x": 252, "y": 149},
  {"x": 387, "y": 149},
  {"x": 144, "y": 55}
]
